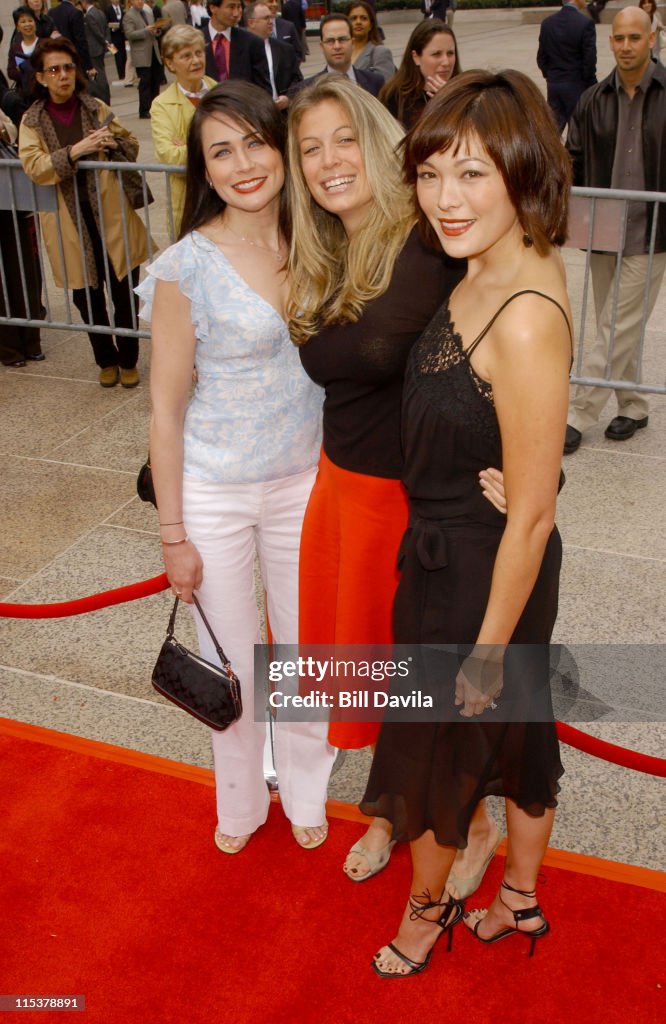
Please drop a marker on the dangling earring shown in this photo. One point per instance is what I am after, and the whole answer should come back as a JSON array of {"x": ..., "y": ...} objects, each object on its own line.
[{"x": 528, "y": 241}]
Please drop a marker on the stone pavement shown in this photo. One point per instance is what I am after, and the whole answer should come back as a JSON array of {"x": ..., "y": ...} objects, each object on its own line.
[{"x": 69, "y": 453}]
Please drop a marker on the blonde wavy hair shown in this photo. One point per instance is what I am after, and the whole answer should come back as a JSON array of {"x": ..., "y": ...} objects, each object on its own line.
[{"x": 333, "y": 276}]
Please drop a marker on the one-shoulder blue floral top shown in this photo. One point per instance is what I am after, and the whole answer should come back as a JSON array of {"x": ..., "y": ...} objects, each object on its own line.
[{"x": 255, "y": 415}]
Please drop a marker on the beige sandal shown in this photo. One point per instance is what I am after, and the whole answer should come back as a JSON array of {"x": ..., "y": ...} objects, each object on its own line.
[
  {"x": 302, "y": 830},
  {"x": 223, "y": 842},
  {"x": 461, "y": 888},
  {"x": 377, "y": 860}
]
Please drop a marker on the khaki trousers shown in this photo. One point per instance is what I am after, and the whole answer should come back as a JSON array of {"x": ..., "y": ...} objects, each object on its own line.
[{"x": 588, "y": 402}]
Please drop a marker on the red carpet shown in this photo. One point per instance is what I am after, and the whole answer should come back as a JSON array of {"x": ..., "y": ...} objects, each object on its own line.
[{"x": 111, "y": 887}]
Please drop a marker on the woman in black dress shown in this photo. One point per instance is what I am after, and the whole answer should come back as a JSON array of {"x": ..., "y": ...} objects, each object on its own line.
[{"x": 487, "y": 384}]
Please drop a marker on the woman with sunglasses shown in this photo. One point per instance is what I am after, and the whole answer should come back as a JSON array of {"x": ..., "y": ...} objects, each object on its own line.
[{"x": 65, "y": 125}]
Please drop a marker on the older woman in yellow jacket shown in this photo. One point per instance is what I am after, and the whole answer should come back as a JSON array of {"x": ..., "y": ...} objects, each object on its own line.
[
  {"x": 184, "y": 54},
  {"x": 65, "y": 125}
]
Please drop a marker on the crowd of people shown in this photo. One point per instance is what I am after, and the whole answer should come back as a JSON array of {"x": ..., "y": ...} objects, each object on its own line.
[{"x": 368, "y": 284}]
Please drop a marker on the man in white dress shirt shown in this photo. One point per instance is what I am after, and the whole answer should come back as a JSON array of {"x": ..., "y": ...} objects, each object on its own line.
[{"x": 282, "y": 61}]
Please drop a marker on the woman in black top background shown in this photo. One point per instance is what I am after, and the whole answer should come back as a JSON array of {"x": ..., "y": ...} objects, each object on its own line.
[{"x": 429, "y": 62}]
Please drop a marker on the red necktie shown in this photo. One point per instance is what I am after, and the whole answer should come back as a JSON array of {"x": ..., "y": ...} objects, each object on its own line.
[{"x": 219, "y": 51}]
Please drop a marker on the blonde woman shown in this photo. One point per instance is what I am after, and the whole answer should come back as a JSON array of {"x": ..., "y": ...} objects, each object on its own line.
[
  {"x": 183, "y": 52},
  {"x": 364, "y": 287}
]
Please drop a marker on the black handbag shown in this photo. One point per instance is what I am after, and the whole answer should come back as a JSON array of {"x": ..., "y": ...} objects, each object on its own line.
[
  {"x": 131, "y": 181},
  {"x": 211, "y": 693},
  {"x": 144, "y": 483}
]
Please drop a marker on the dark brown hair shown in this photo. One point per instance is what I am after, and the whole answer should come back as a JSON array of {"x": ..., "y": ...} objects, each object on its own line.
[
  {"x": 251, "y": 106},
  {"x": 20, "y": 11},
  {"x": 39, "y": 60},
  {"x": 407, "y": 83},
  {"x": 334, "y": 17},
  {"x": 511, "y": 119}
]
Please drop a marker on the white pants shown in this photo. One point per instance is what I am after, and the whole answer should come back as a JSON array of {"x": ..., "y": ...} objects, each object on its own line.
[
  {"x": 229, "y": 523},
  {"x": 587, "y": 402}
]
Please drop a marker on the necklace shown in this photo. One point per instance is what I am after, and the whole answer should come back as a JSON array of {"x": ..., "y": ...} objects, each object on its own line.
[{"x": 277, "y": 253}]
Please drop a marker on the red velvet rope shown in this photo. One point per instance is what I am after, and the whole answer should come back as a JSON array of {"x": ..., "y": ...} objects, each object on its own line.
[
  {"x": 92, "y": 603},
  {"x": 611, "y": 752},
  {"x": 572, "y": 737}
]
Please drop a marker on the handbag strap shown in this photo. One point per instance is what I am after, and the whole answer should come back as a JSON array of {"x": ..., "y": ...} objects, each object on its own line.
[{"x": 172, "y": 625}]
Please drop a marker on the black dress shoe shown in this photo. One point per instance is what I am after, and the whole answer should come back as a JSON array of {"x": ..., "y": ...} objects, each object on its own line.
[
  {"x": 16, "y": 364},
  {"x": 623, "y": 427},
  {"x": 572, "y": 440},
  {"x": 38, "y": 358}
]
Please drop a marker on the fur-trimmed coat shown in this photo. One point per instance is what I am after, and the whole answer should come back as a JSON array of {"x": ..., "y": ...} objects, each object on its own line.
[{"x": 46, "y": 162}]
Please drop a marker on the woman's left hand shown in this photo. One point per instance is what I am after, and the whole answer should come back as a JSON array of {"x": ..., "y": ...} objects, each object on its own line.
[
  {"x": 433, "y": 84},
  {"x": 480, "y": 680},
  {"x": 492, "y": 485},
  {"x": 100, "y": 139}
]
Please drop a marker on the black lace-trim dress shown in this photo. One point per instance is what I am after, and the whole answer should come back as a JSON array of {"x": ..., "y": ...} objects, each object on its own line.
[{"x": 431, "y": 775}]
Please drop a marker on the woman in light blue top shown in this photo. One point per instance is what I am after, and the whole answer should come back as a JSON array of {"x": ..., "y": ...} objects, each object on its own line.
[{"x": 234, "y": 463}]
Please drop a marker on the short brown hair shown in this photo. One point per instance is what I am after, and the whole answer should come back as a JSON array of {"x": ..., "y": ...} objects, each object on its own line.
[
  {"x": 512, "y": 121},
  {"x": 39, "y": 60}
]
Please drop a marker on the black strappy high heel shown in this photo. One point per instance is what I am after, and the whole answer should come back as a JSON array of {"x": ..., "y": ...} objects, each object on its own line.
[
  {"x": 518, "y": 916},
  {"x": 452, "y": 912}
]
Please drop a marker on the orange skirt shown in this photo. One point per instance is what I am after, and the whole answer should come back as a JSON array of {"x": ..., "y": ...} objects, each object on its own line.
[{"x": 348, "y": 577}]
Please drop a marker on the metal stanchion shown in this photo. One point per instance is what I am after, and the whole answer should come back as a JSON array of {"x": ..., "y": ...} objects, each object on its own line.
[{"x": 270, "y": 774}]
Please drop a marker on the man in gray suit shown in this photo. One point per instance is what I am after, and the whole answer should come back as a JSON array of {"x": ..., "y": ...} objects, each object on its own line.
[
  {"x": 96, "y": 27},
  {"x": 176, "y": 10},
  {"x": 142, "y": 35}
]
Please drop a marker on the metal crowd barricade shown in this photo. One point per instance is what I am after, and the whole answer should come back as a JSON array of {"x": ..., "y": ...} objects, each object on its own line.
[
  {"x": 598, "y": 223},
  {"x": 20, "y": 198}
]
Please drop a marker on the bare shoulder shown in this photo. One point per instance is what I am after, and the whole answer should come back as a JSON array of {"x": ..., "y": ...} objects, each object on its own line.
[{"x": 534, "y": 320}]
